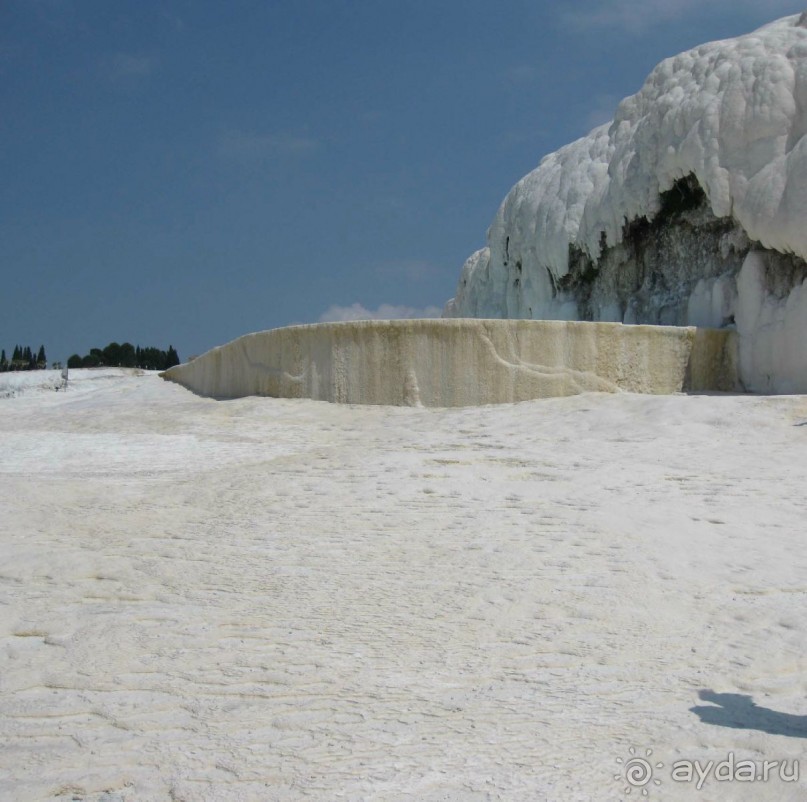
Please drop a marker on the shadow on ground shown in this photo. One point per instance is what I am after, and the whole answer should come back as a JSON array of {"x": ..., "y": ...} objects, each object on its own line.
[{"x": 738, "y": 711}]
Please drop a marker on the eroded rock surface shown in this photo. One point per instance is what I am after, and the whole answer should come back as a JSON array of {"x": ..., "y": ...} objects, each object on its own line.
[{"x": 449, "y": 363}]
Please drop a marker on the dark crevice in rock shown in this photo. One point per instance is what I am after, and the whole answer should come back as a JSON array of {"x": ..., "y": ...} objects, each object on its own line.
[
  {"x": 555, "y": 285},
  {"x": 685, "y": 195},
  {"x": 651, "y": 273},
  {"x": 783, "y": 271}
]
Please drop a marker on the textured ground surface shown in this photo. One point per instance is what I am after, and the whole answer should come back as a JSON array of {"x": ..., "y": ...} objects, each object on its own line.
[{"x": 279, "y": 600}]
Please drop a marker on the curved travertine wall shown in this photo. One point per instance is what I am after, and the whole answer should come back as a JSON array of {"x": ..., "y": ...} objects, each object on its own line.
[{"x": 462, "y": 362}]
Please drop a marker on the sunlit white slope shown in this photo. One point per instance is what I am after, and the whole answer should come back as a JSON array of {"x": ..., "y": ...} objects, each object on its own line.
[{"x": 732, "y": 113}]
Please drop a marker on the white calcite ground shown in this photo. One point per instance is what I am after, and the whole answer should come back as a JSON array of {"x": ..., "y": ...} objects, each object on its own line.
[{"x": 285, "y": 599}]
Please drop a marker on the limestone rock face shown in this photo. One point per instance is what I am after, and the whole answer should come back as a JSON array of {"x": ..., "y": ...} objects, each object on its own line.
[
  {"x": 450, "y": 363},
  {"x": 700, "y": 179}
]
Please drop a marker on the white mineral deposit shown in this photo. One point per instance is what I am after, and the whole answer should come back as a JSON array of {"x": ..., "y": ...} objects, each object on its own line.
[
  {"x": 712, "y": 153},
  {"x": 286, "y": 599}
]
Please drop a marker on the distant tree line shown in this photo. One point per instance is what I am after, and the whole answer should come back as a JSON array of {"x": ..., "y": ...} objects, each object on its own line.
[
  {"x": 126, "y": 356},
  {"x": 23, "y": 359}
]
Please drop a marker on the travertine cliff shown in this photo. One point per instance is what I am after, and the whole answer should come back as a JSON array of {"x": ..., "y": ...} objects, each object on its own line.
[
  {"x": 461, "y": 362},
  {"x": 690, "y": 208}
]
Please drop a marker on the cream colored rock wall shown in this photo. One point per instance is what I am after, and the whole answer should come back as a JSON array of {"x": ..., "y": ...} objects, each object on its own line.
[
  {"x": 461, "y": 362},
  {"x": 771, "y": 329}
]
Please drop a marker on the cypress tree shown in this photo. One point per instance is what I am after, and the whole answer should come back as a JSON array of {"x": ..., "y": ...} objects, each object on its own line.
[{"x": 41, "y": 359}]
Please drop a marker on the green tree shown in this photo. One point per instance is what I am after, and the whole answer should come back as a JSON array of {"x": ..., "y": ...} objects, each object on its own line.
[
  {"x": 171, "y": 358},
  {"x": 18, "y": 362},
  {"x": 128, "y": 356},
  {"x": 3, "y": 361},
  {"x": 41, "y": 359},
  {"x": 112, "y": 355}
]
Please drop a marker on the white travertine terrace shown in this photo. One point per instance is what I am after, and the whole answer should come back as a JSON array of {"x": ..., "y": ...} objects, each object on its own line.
[{"x": 448, "y": 363}]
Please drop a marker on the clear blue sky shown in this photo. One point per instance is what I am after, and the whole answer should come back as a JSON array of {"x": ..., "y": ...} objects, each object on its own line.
[{"x": 187, "y": 171}]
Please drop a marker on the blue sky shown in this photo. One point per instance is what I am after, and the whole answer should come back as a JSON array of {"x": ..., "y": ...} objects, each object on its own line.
[{"x": 187, "y": 171}]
